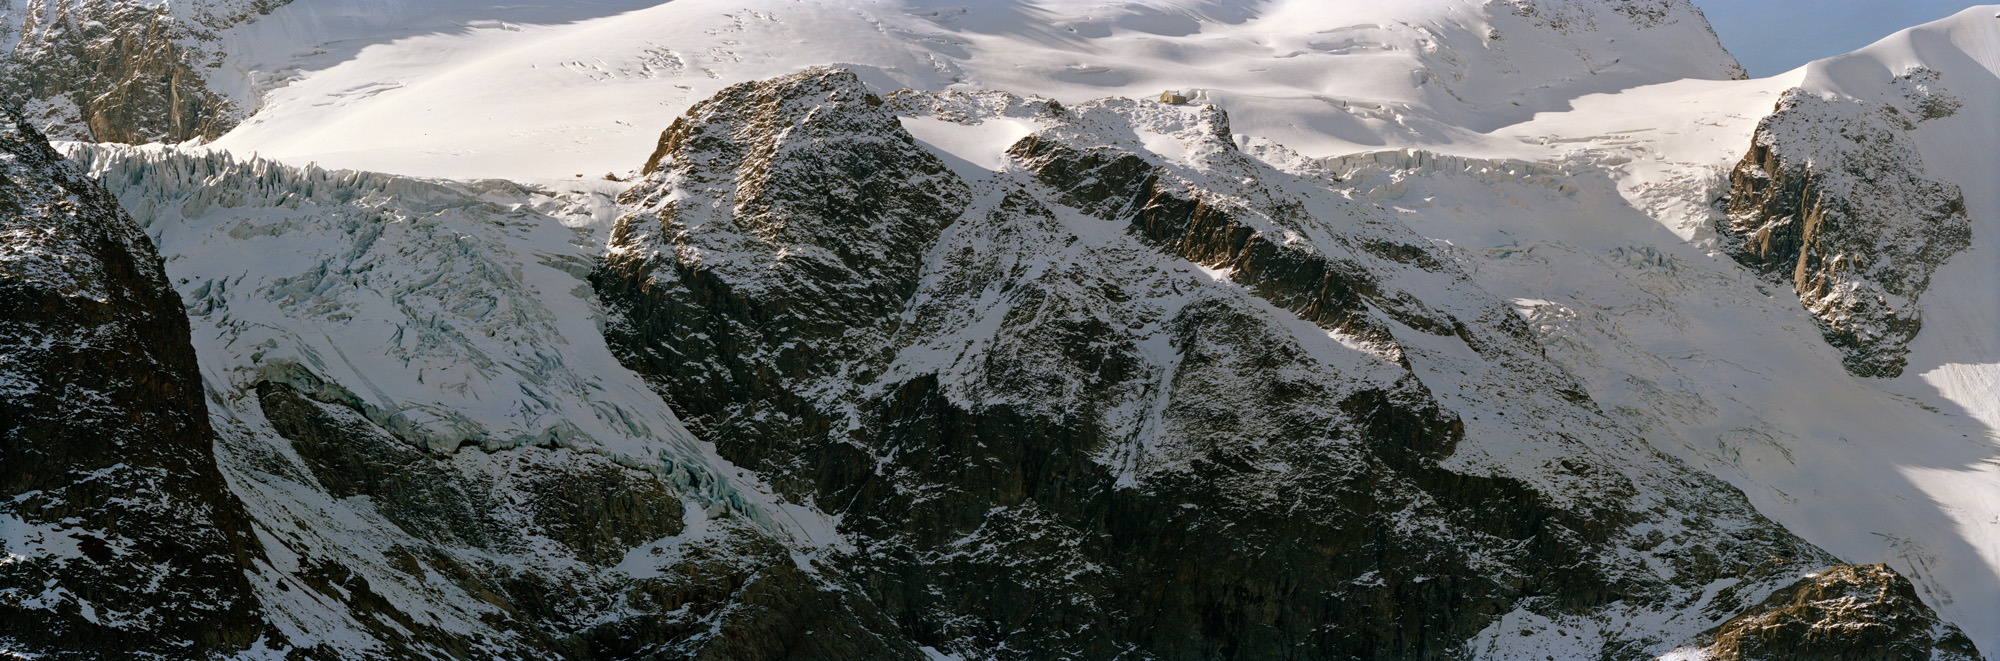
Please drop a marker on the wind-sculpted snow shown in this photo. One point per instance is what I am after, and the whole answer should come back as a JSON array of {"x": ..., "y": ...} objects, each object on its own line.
[
  {"x": 1132, "y": 354},
  {"x": 546, "y": 91}
]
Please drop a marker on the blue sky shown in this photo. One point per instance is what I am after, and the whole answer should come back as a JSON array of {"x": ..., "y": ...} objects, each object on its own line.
[{"x": 1774, "y": 36}]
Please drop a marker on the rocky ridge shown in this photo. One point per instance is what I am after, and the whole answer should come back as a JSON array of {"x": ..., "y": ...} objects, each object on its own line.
[
  {"x": 1833, "y": 201},
  {"x": 1857, "y": 613},
  {"x": 1037, "y": 394},
  {"x": 130, "y": 71},
  {"x": 451, "y": 475},
  {"x": 1050, "y": 395}
]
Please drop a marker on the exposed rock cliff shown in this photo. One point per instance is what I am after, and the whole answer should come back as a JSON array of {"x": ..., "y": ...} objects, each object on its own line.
[
  {"x": 129, "y": 71},
  {"x": 960, "y": 372},
  {"x": 118, "y": 533},
  {"x": 1833, "y": 200},
  {"x": 1123, "y": 390},
  {"x": 1844, "y": 613}
]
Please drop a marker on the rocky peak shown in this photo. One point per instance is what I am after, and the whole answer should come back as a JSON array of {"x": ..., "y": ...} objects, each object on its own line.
[
  {"x": 462, "y": 471},
  {"x": 1833, "y": 201},
  {"x": 1842, "y": 613},
  {"x": 807, "y": 155},
  {"x": 1090, "y": 383},
  {"x": 790, "y": 217}
]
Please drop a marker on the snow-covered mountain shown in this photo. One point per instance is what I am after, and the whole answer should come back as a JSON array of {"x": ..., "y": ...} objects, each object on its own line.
[
  {"x": 542, "y": 92},
  {"x": 909, "y": 329}
]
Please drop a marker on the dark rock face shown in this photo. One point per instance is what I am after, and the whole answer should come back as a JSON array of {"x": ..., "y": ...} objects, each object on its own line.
[
  {"x": 121, "y": 534},
  {"x": 122, "y": 70},
  {"x": 1049, "y": 430},
  {"x": 1100, "y": 403},
  {"x": 1833, "y": 200},
  {"x": 768, "y": 280},
  {"x": 597, "y": 509},
  {"x": 1845, "y": 613},
  {"x": 736, "y": 596}
]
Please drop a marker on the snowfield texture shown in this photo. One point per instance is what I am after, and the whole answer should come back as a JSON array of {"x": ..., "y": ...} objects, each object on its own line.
[{"x": 356, "y": 84}]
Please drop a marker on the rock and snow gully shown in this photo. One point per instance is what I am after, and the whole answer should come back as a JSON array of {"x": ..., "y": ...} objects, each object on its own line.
[{"x": 959, "y": 351}]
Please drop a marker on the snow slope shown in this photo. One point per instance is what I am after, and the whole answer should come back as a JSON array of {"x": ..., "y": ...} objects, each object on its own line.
[
  {"x": 1728, "y": 372},
  {"x": 475, "y": 89},
  {"x": 1956, "y": 358},
  {"x": 1959, "y": 352}
]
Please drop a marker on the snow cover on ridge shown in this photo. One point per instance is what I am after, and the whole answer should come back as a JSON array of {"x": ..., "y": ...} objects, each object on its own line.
[
  {"x": 1727, "y": 372},
  {"x": 1958, "y": 61},
  {"x": 1048, "y": 296},
  {"x": 473, "y": 89}
]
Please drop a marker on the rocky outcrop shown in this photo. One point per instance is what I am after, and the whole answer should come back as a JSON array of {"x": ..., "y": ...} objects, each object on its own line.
[
  {"x": 558, "y": 520},
  {"x": 1843, "y": 613},
  {"x": 1107, "y": 402},
  {"x": 130, "y": 71},
  {"x": 463, "y": 470},
  {"x": 1132, "y": 394},
  {"x": 1833, "y": 201},
  {"x": 120, "y": 535},
  {"x": 761, "y": 279}
]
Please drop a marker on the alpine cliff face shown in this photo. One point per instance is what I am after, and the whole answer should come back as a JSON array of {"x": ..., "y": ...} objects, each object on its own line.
[
  {"x": 120, "y": 536},
  {"x": 1834, "y": 201},
  {"x": 460, "y": 472},
  {"x": 1061, "y": 407},
  {"x": 131, "y": 71}
]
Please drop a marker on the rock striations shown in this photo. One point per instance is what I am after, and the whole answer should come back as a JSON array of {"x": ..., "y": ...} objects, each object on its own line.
[
  {"x": 1833, "y": 200},
  {"x": 130, "y": 71}
]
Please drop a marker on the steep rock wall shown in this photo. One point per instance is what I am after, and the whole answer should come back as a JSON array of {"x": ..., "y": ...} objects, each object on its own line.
[
  {"x": 1833, "y": 201},
  {"x": 120, "y": 533},
  {"x": 130, "y": 71}
]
